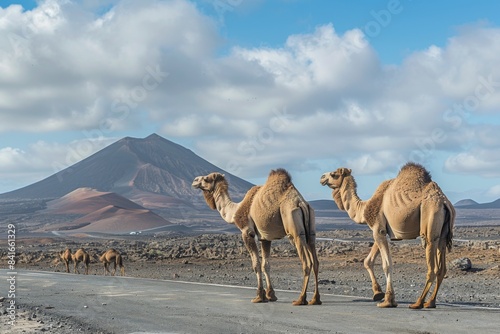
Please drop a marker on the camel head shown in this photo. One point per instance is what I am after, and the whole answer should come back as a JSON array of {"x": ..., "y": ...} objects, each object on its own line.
[
  {"x": 62, "y": 254},
  {"x": 208, "y": 184},
  {"x": 334, "y": 180}
]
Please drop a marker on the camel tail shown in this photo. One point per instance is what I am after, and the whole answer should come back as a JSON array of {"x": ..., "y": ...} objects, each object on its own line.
[
  {"x": 309, "y": 222},
  {"x": 449, "y": 224}
]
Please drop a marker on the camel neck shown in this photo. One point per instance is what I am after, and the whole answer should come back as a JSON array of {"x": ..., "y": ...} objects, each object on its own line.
[
  {"x": 226, "y": 207},
  {"x": 352, "y": 203}
]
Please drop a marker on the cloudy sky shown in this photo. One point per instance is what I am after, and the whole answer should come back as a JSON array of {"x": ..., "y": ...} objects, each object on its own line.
[{"x": 254, "y": 85}]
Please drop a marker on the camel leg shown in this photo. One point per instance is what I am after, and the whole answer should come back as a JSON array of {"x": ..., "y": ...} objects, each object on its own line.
[
  {"x": 435, "y": 237},
  {"x": 254, "y": 255},
  {"x": 114, "y": 268},
  {"x": 106, "y": 268},
  {"x": 316, "y": 300},
  {"x": 306, "y": 261},
  {"x": 380, "y": 236},
  {"x": 440, "y": 273},
  {"x": 440, "y": 268},
  {"x": 436, "y": 270},
  {"x": 368, "y": 263},
  {"x": 294, "y": 222},
  {"x": 430, "y": 253},
  {"x": 76, "y": 267},
  {"x": 67, "y": 266},
  {"x": 86, "y": 261},
  {"x": 266, "y": 267}
]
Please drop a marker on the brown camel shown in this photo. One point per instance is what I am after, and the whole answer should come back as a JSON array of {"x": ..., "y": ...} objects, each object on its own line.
[
  {"x": 66, "y": 257},
  {"x": 406, "y": 207},
  {"x": 81, "y": 256},
  {"x": 270, "y": 212},
  {"x": 112, "y": 256}
]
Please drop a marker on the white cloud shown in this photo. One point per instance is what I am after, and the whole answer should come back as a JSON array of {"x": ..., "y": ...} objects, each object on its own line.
[
  {"x": 11, "y": 158},
  {"x": 41, "y": 159},
  {"x": 494, "y": 191},
  {"x": 315, "y": 61},
  {"x": 57, "y": 60},
  {"x": 319, "y": 96},
  {"x": 478, "y": 161}
]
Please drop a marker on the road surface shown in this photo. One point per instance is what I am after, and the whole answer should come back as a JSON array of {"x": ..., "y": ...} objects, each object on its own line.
[{"x": 131, "y": 305}]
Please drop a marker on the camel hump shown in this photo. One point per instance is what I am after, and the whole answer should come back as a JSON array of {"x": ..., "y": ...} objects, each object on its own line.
[
  {"x": 416, "y": 172},
  {"x": 280, "y": 177},
  {"x": 281, "y": 173}
]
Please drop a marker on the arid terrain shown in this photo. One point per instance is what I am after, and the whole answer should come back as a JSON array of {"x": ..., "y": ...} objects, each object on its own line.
[{"x": 222, "y": 258}]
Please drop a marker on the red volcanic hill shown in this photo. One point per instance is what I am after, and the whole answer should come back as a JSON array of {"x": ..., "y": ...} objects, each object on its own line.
[
  {"x": 151, "y": 171},
  {"x": 114, "y": 219},
  {"x": 102, "y": 212},
  {"x": 86, "y": 200}
]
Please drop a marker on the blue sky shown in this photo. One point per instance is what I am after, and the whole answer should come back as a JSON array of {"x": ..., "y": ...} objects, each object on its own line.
[{"x": 253, "y": 85}]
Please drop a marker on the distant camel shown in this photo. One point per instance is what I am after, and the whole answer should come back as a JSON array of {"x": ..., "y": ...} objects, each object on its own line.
[
  {"x": 405, "y": 207},
  {"x": 270, "y": 212},
  {"x": 81, "y": 256},
  {"x": 112, "y": 256},
  {"x": 66, "y": 257}
]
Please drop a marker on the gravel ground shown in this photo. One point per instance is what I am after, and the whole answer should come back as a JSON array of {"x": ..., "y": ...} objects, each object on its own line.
[{"x": 223, "y": 259}]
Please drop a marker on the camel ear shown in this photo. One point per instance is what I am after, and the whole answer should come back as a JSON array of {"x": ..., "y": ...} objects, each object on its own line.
[
  {"x": 344, "y": 171},
  {"x": 218, "y": 176}
]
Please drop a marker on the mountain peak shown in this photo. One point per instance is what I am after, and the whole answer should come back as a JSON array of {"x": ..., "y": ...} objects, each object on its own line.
[
  {"x": 134, "y": 168},
  {"x": 151, "y": 137},
  {"x": 154, "y": 136},
  {"x": 465, "y": 202}
]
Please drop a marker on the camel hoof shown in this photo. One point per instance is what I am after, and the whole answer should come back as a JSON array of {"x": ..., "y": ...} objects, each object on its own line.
[
  {"x": 378, "y": 296},
  {"x": 430, "y": 305},
  {"x": 315, "y": 301},
  {"x": 271, "y": 296},
  {"x": 416, "y": 306},
  {"x": 387, "y": 304},
  {"x": 259, "y": 299},
  {"x": 299, "y": 302}
]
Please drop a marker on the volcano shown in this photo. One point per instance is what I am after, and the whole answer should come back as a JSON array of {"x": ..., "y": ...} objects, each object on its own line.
[{"x": 153, "y": 172}]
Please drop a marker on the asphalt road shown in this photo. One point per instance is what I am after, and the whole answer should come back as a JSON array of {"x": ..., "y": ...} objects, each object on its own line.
[{"x": 129, "y": 305}]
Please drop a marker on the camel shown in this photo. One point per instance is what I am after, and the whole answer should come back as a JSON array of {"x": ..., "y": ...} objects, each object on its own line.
[
  {"x": 268, "y": 212},
  {"x": 66, "y": 257},
  {"x": 81, "y": 256},
  {"x": 112, "y": 256},
  {"x": 405, "y": 207}
]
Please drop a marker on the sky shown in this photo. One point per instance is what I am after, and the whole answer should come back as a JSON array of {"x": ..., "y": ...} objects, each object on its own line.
[{"x": 251, "y": 86}]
